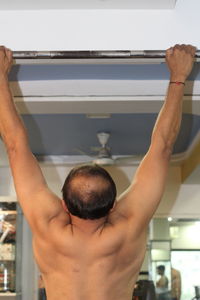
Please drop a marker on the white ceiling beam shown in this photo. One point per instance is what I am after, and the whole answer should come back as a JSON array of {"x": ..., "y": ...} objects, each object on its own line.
[
  {"x": 99, "y": 96},
  {"x": 97, "y": 87},
  {"x": 99, "y": 104}
]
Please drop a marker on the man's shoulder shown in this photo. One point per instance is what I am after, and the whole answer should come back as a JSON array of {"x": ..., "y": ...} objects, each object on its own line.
[
  {"x": 115, "y": 218},
  {"x": 56, "y": 226},
  {"x": 128, "y": 224},
  {"x": 125, "y": 229}
]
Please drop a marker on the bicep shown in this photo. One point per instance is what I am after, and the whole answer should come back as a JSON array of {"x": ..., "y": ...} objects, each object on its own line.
[
  {"x": 26, "y": 172},
  {"x": 146, "y": 190},
  {"x": 36, "y": 200}
]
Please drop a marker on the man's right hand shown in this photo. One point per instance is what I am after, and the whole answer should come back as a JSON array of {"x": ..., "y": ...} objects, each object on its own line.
[
  {"x": 180, "y": 59},
  {"x": 5, "y": 61}
]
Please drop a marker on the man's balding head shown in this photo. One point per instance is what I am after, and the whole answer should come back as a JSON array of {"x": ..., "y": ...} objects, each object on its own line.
[{"x": 89, "y": 192}]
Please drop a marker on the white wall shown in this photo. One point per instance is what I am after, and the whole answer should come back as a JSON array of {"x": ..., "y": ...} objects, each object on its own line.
[
  {"x": 101, "y": 29},
  {"x": 183, "y": 235},
  {"x": 180, "y": 201},
  {"x": 187, "y": 236},
  {"x": 187, "y": 202}
]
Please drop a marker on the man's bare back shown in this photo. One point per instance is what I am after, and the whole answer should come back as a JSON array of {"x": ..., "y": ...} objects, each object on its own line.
[
  {"x": 103, "y": 265},
  {"x": 86, "y": 248}
]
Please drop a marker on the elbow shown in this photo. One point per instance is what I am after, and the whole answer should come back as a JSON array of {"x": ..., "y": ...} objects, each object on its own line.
[
  {"x": 169, "y": 146},
  {"x": 11, "y": 149},
  {"x": 13, "y": 143},
  {"x": 167, "y": 149},
  {"x": 167, "y": 152},
  {"x": 166, "y": 139},
  {"x": 163, "y": 147}
]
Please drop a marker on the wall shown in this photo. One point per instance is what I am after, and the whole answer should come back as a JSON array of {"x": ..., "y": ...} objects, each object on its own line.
[
  {"x": 187, "y": 236},
  {"x": 101, "y": 29},
  {"x": 183, "y": 234},
  {"x": 180, "y": 201}
]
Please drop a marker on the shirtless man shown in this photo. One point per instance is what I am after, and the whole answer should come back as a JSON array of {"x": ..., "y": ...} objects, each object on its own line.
[{"x": 92, "y": 249}]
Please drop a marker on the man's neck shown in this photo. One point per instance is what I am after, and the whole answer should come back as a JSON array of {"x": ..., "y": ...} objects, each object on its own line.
[{"x": 88, "y": 226}]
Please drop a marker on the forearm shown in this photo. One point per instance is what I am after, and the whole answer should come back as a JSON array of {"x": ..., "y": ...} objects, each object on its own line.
[
  {"x": 180, "y": 60},
  {"x": 11, "y": 125},
  {"x": 169, "y": 119}
]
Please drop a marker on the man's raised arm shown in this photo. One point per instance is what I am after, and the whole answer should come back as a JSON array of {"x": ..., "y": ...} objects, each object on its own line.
[
  {"x": 140, "y": 201},
  {"x": 38, "y": 203}
]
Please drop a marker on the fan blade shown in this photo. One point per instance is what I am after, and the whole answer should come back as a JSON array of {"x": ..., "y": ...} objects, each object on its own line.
[
  {"x": 84, "y": 163},
  {"x": 81, "y": 152},
  {"x": 104, "y": 161},
  {"x": 95, "y": 149},
  {"x": 131, "y": 158}
]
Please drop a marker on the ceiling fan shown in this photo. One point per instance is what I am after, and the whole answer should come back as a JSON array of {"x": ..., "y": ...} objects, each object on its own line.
[{"x": 104, "y": 156}]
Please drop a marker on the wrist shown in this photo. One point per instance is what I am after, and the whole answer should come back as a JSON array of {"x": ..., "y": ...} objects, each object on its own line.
[
  {"x": 180, "y": 83},
  {"x": 3, "y": 79},
  {"x": 177, "y": 78}
]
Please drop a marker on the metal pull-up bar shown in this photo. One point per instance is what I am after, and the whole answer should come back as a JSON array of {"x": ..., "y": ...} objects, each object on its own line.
[
  {"x": 146, "y": 54},
  {"x": 91, "y": 57}
]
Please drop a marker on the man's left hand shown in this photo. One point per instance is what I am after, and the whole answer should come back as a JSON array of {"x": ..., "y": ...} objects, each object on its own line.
[{"x": 5, "y": 61}]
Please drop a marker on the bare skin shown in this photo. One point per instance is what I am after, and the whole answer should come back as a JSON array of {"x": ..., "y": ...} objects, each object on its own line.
[{"x": 100, "y": 259}]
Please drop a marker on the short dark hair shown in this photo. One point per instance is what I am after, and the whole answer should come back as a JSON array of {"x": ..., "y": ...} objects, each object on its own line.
[
  {"x": 93, "y": 203},
  {"x": 161, "y": 268}
]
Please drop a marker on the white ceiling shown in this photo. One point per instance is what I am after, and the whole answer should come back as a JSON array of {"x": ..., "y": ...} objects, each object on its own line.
[{"x": 86, "y": 4}]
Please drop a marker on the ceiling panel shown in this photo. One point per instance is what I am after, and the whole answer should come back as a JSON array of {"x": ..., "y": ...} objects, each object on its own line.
[
  {"x": 92, "y": 72},
  {"x": 62, "y": 131},
  {"x": 130, "y": 133},
  {"x": 86, "y": 4}
]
